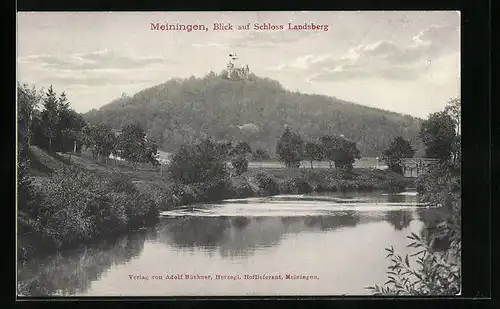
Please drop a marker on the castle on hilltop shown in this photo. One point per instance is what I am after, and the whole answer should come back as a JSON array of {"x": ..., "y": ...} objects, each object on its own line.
[{"x": 234, "y": 72}]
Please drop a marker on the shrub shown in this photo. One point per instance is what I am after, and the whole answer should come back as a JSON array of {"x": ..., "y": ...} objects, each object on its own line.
[
  {"x": 240, "y": 188},
  {"x": 267, "y": 183},
  {"x": 320, "y": 188},
  {"x": 119, "y": 182},
  {"x": 157, "y": 192},
  {"x": 303, "y": 186},
  {"x": 197, "y": 163},
  {"x": 77, "y": 205},
  {"x": 108, "y": 212},
  {"x": 180, "y": 194},
  {"x": 140, "y": 209},
  {"x": 295, "y": 186},
  {"x": 213, "y": 191},
  {"x": 438, "y": 273},
  {"x": 240, "y": 164}
]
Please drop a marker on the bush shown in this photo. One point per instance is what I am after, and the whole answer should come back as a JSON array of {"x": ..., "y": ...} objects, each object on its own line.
[
  {"x": 213, "y": 191},
  {"x": 267, "y": 184},
  {"x": 159, "y": 193},
  {"x": 240, "y": 188},
  {"x": 437, "y": 273},
  {"x": 396, "y": 185},
  {"x": 303, "y": 186},
  {"x": 197, "y": 163},
  {"x": 77, "y": 205},
  {"x": 120, "y": 183},
  {"x": 140, "y": 209},
  {"x": 240, "y": 164},
  {"x": 295, "y": 186},
  {"x": 180, "y": 194}
]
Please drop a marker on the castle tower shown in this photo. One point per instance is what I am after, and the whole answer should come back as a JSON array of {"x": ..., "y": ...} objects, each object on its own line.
[
  {"x": 236, "y": 72},
  {"x": 229, "y": 67}
]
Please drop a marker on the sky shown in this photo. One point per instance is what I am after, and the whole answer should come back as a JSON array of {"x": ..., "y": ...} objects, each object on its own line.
[{"x": 403, "y": 61}]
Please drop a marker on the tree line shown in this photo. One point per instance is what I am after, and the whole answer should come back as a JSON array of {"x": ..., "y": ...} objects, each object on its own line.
[
  {"x": 46, "y": 120},
  {"x": 57, "y": 127},
  {"x": 440, "y": 134}
]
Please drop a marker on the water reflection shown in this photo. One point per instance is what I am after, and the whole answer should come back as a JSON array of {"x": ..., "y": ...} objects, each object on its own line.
[
  {"x": 397, "y": 198},
  {"x": 325, "y": 223},
  {"x": 431, "y": 219},
  {"x": 242, "y": 236},
  {"x": 233, "y": 239},
  {"x": 399, "y": 219},
  {"x": 72, "y": 272}
]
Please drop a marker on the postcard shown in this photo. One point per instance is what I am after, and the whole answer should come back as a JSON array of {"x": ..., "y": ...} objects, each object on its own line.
[{"x": 307, "y": 153}]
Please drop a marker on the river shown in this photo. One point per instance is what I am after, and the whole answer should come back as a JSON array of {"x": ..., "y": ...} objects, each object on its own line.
[{"x": 333, "y": 244}]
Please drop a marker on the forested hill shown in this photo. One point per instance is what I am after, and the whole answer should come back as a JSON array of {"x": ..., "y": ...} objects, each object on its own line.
[{"x": 254, "y": 110}]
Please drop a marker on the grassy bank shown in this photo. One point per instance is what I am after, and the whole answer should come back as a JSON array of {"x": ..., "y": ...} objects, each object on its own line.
[
  {"x": 65, "y": 203},
  {"x": 61, "y": 205}
]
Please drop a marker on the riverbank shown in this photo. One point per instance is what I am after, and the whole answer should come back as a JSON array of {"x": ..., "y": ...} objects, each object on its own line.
[
  {"x": 258, "y": 183},
  {"x": 65, "y": 203}
]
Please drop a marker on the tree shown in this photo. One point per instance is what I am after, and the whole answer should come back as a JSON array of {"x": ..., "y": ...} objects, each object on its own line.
[
  {"x": 151, "y": 154},
  {"x": 339, "y": 150},
  {"x": 132, "y": 143},
  {"x": 438, "y": 135},
  {"x": 197, "y": 163},
  {"x": 224, "y": 149},
  {"x": 290, "y": 148},
  {"x": 347, "y": 156},
  {"x": 87, "y": 138},
  {"x": 456, "y": 150},
  {"x": 313, "y": 152},
  {"x": 100, "y": 139},
  {"x": 241, "y": 149},
  {"x": 106, "y": 141},
  {"x": 454, "y": 109},
  {"x": 135, "y": 147},
  {"x": 260, "y": 155},
  {"x": 398, "y": 149},
  {"x": 49, "y": 116},
  {"x": 70, "y": 122},
  {"x": 27, "y": 102},
  {"x": 67, "y": 122},
  {"x": 69, "y": 135},
  {"x": 240, "y": 164}
]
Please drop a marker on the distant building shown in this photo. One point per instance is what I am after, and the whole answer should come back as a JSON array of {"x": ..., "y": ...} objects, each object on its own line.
[
  {"x": 414, "y": 167},
  {"x": 237, "y": 73}
]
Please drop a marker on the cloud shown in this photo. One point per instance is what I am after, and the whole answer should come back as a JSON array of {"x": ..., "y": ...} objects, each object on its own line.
[
  {"x": 96, "y": 81},
  {"x": 211, "y": 44},
  {"x": 95, "y": 69},
  {"x": 384, "y": 59},
  {"x": 98, "y": 60}
]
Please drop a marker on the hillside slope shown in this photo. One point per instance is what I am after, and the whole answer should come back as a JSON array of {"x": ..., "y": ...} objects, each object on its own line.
[{"x": 256, "y": 111}]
